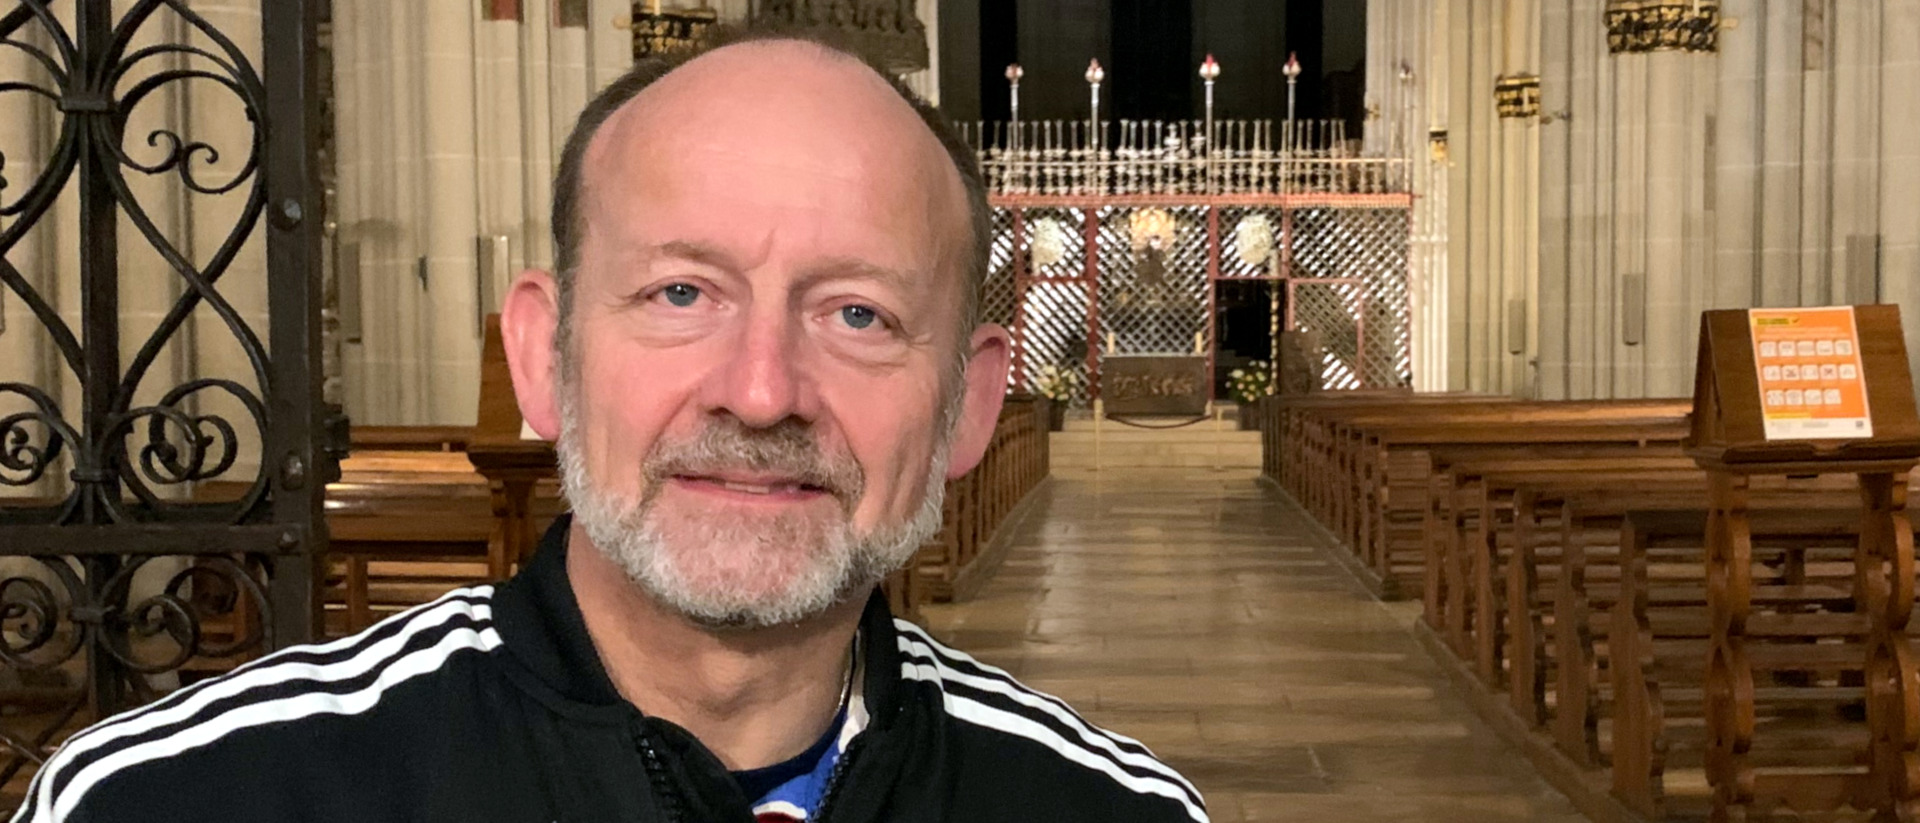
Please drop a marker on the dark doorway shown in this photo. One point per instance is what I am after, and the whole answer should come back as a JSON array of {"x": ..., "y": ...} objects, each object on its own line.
[{"x": 1242, "y": 326}]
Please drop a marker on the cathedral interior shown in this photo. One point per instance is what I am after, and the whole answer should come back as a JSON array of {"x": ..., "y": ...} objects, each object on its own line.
[{"x": 1438, "y": 410}]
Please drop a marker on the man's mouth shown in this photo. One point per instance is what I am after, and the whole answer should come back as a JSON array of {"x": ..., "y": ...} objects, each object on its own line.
[{"x": 764, "y": 488}]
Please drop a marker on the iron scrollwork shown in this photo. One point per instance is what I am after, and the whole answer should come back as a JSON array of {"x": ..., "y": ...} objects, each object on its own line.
[{"x": 88, "y": 628}]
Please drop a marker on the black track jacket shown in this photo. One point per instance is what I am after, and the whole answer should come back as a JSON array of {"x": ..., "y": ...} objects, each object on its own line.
[{"x": 490, "y": 705}]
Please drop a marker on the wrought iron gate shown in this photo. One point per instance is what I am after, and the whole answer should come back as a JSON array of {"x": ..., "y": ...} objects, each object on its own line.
[{"x": 124, "y": 575}]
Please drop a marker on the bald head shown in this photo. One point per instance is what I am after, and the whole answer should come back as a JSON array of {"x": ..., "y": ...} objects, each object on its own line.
[{"x": 790, "y": 119}]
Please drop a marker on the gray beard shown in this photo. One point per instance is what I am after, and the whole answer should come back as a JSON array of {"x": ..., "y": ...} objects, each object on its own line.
[{"x": 838, "y": 562}]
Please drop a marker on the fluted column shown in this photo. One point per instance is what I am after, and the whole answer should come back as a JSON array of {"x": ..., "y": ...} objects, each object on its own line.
[
  {"x": 1555, "y": 184},
  {"x": 1852, "y": 249},
  {"x": 1780, "y": 192},
  {"x": 451, "y": 214},
  {"x": 1737, "y": 149},
  {"x": 1667, "y": 354},
  {"x": 1900, "y": 167},
  {"x": 1457, "y": 82}
]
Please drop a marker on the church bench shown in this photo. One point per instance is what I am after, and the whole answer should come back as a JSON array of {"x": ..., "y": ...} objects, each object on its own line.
[
  {"x": 1361, "y": 466},
  {"x": 978, "y": 506},
  {"x": 1805, "y": 653}
]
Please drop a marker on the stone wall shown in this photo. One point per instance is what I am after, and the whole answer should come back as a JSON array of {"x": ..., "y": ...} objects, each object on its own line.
[{"x": 1699, "y": 155}]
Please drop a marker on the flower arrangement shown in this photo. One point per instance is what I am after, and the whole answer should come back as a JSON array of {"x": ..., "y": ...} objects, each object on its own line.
[
  {"x": 1049, "y": 245},
  {"x": 1055, "y": 383},
  {"x": 1253, "y": 239},
  {"x": 1251, "y": 383}
]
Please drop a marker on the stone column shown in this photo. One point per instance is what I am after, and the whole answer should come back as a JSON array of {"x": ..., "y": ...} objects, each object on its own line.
[
  {"x": 1455, "y": 113},
  {"x": 1629, "y": 181},
  {"x": 1817, "y": 151},
  {"x": 1900, "y": 167},
  {"x": 1737, "y": 148},
  {"x": 501, "y": 140},
  {"x": 1852, "y": 248},
  {"x": 1589, "y": 228},
  {"x": 1555, "y": 185},
  {"x": 549, "y": 121},
  {"x": 451, "y": 214},
  {"x": 1780, "y": 183},
  {"x": 611, "y": 45},
  {"x": 1667, "y": 354}
]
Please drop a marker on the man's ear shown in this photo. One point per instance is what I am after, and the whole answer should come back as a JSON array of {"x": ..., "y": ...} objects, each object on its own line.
[
  {"x": 528, "y": 319},
  {"x": 991, "y": 352}
]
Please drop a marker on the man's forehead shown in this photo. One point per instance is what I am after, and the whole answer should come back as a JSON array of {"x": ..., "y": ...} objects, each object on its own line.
[
  {"x": 773, "y": 92},
  {"x": 788, "y": 122}
]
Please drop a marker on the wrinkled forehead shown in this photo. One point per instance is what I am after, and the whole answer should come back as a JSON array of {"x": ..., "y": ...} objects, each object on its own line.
[{"x": 795, "y": 123}]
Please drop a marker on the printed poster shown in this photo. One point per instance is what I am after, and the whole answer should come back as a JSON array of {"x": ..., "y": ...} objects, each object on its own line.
[{"x": 1812, "y": 386}]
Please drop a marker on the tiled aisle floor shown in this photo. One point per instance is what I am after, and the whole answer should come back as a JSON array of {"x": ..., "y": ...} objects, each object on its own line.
[{"x": 1200, "y": 616}]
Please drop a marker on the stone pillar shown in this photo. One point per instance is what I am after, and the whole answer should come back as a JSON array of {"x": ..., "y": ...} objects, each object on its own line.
[
  {"x": 1852, "y": 247},
  {"x": 1554, "y": 280},
  {"x": 1666, "y": 351},
  {"x": 451, "y": 214},
  {"x": 1900, "y": 167},
  {"x": 1737, "y": 149},
  {"x": 1456, "y": 114},
  {"x": 1780, "y": 182},
  {"x": 1589, "y": 222},
  {"x": 1817, "y": 151}
]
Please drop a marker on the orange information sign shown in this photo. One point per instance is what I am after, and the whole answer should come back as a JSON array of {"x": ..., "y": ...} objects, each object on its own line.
[{"x": 1812, "y": 385}]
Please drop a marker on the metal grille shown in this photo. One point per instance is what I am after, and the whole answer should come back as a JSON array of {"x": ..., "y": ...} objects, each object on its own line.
[{"x": 1364, "y": 321}]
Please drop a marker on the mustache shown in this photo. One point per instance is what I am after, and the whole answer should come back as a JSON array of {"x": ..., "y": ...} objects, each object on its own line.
[{"x": 786, "y": 449}]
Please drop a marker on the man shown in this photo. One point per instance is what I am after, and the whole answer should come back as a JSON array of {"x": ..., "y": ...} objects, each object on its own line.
[{"x": 759, "y": 362}]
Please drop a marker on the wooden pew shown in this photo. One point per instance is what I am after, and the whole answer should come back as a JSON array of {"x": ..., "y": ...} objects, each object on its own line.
[{"x": 1723, "y": 607}]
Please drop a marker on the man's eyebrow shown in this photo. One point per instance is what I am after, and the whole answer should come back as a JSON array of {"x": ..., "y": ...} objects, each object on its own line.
[
  {"x": 848, "y": 268},
  {"x": 692, "y": 252}
]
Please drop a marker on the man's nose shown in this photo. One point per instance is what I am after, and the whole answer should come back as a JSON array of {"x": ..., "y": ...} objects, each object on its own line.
[{"x": 763, "y": 381}]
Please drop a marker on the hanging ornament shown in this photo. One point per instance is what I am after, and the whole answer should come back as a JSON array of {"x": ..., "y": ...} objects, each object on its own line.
[
  {"x": 1049, "y": 244},
  {"x": 1253, "y": 240}
]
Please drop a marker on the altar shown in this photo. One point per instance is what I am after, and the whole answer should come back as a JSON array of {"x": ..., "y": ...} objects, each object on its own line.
[{"x": 1154, "y": 384}]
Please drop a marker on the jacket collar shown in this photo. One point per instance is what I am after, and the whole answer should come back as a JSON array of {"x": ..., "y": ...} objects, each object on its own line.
[{"x": 540, "y": 622}]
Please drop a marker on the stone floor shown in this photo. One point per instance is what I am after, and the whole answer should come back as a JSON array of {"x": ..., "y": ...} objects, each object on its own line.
[{"x": 1202, "y": 616}]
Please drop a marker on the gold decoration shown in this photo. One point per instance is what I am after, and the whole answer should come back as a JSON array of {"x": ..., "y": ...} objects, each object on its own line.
[
  {"x": 657, "y": 32},
  {"x": 1639, "y": 26},
  {"x": 1517, "y": 95}
]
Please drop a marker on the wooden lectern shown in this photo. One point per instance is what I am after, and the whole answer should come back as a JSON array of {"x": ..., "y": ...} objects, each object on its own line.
[{"x": 1798, "y": 392}]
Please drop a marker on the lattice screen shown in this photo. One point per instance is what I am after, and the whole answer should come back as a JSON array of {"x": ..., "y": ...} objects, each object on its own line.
[
  {"x": 1260, "y": 225},
  {"x": 998, "y": 292},
  {"x": 1347, "y": 268},
  {"x": 1153, "y": 307},
  {"x": 1364, "y": 321}
]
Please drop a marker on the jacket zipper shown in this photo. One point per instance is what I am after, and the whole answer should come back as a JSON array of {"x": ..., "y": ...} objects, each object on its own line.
[
  {"x": 657, "y": 775},
  {"x": 834, "y": 779}
]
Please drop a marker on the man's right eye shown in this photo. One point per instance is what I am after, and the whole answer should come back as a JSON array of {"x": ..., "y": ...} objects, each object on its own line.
[{"x": 681, "y": 294}]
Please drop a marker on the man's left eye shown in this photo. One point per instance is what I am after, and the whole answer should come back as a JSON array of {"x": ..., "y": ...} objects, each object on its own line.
[{"x": 859, "y": 317}]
